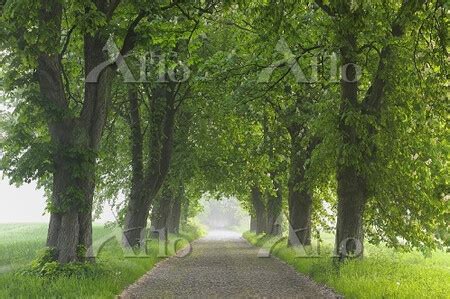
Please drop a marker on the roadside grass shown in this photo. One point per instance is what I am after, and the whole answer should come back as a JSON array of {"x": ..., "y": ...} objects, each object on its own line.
[
  {"x": 113, "y": 271},
  {"x": 382, "y": 273}
]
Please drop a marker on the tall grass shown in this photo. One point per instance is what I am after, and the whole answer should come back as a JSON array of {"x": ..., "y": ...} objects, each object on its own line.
[
  {"x": 18, "y": 246},
  {"x": 383, "y": 273}
]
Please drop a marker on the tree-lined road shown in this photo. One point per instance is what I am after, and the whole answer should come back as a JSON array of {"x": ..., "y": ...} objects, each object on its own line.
[{"x": 223, "y": 265}]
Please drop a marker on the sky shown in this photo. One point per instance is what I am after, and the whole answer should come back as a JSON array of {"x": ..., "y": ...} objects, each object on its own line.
[{"x": 27, "y": 204}]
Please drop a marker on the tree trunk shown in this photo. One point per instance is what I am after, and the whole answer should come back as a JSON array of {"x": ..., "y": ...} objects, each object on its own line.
[
  {"x": 138, "y": 201},
  {"x": 274, "y": 205},
  {"x": 161, "y": 215},
  {"x": 175, "y": 213},
  {"x": 300, "y": 197},
  {"x": 274, "y": 202},
  {"x": 70, "y": 227},
  {"x": 161, "y": 210},
  {"x": 75, "y": 140},
  {"x": 351, "y": 201},
  {"x": 352, "y": 185},
  {"x": 300, "y": 206},
  {"x": 162, "y": 122},
  {"x": 136, "y": 221},
  {"x": 63, "y": 230},
  {"x": 260, "y": 210}
]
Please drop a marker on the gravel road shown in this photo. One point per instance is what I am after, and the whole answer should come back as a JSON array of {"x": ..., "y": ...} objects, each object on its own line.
[{"x": 223, "y": 265}]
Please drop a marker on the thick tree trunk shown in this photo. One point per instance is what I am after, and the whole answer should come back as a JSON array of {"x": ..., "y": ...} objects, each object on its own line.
[
  {"x": 260, "y": 210},
  {"x": 136, "y": 221},
  {"x": 351, "y": 202},
  {"x": 300, "y": 207},
  {"x": 138, "y": 202},
  {"x": 352, "y": 185},
  {"x": 161, "y": 211},
  {"x": 70, "y": 227},
  {"x": 274, "y": 202},
  {"x": 300, "y": 197},
  {"x": 76, "y": 143},
  {"x": 75, "y": 140},
  {"x": 162, "y": 121},
  {"x": 274, "y": 205}
]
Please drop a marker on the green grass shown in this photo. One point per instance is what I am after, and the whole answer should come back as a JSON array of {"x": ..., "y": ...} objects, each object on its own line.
[
  {"x": 383, "y": 273},
  {"x": 20, "y": 242}
]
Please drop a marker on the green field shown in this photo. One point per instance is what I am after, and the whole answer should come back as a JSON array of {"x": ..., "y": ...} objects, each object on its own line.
[
  {"x": 383, "y": 273},
  {"x": 19, "y": 244}
]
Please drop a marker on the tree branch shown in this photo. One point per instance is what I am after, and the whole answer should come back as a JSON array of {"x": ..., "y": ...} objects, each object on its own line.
[
  {"x": 374, "y": 95},
  {"x": 66, "y": 42},
  {"x": 66, "y": 78},
  {"x": 111, "y": 8},
  {"x": 130, "y": 38},
  {"x": 327, "y": 9},
  {"x": 183, "y": 97}
]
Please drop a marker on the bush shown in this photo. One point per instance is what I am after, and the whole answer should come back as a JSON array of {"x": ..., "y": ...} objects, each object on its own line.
[{"x": 45, "y": 265}]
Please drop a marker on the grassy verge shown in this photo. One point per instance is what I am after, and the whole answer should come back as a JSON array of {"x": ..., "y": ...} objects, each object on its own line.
[
  {"x": 383, "y": 273},
  {"x": 112, "y": 272}
]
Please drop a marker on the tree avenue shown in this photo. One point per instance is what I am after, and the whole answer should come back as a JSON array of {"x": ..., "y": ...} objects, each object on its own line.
[{"x": 316, "y": 115}]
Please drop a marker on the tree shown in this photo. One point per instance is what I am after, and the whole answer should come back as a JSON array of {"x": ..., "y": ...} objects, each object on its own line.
[
  {"x": 360, "y": 116},
  {"x": 75, "y": 122},
  {"x": 164, "y": 100}
]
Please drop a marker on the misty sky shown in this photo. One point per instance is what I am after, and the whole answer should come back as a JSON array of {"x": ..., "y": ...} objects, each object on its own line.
[{"x": 26, "y": 204}]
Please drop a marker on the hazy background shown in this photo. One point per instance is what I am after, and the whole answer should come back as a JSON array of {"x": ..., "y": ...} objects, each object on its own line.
[
  {"x": 223, "y": 214},
  {"x": 27, "y": 204}
]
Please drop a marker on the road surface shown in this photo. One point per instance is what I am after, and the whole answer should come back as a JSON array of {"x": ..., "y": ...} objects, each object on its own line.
[{"x": 224, "y": 265}]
